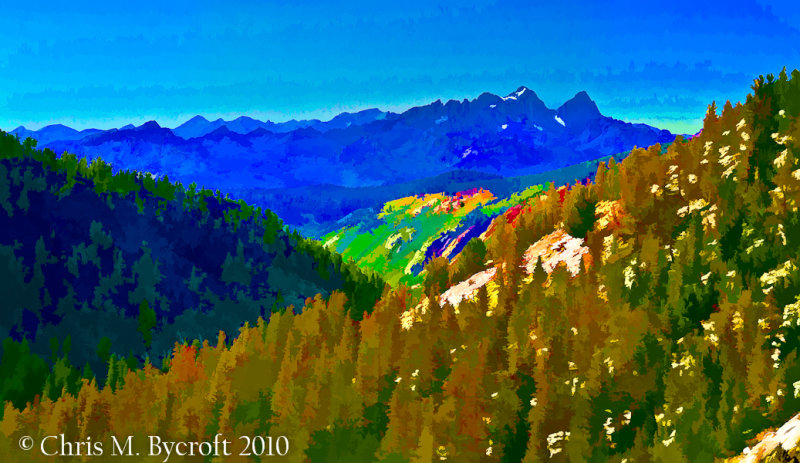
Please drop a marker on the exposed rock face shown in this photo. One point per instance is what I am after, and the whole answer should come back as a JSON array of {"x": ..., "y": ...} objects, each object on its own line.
[
  {"x": 467, "y": 289},
  {"x": 553, "y": 249},
  {"x": 775, "y": 447}
]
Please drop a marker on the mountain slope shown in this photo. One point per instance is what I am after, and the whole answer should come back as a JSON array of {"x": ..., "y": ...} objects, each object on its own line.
[
  {"x": 136, "y": 262},
  {"x": 398, "y": 240},
  {"x": 412, "y": 230}
]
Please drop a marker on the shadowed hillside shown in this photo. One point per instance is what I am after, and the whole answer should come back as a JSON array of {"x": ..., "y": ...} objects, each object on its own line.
[{"x": 95, "y": 264}]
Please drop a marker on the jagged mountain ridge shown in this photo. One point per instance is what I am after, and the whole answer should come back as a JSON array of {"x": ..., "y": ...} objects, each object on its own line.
[{"x": 512, "y": 135}]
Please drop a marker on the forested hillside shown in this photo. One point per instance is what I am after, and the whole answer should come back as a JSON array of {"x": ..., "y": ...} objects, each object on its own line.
[
  {"x": 415, "y": 229},
  {"x": 400, "y": 238},
  {"x": 97, "y": 269},
  {"x": 650, "y": 315}
]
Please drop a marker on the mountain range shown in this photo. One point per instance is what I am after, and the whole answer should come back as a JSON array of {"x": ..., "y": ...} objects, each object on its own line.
[{"x": 491, "y": 135}]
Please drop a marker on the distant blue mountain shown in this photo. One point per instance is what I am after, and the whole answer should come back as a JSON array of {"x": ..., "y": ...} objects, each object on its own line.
[
  {"x": 149, "y": 132},
  {"x": 243, "y": 125},
  {"x": 508, "y": 136},
  {"x": 199, "y": 126},
  {"x": 53, "y": 133}
]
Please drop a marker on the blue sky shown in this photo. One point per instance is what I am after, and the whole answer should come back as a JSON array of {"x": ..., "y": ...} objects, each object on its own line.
[{"x": 107, "y": 63}]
